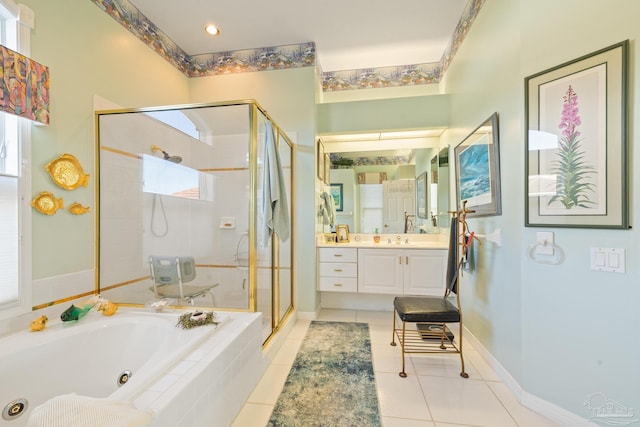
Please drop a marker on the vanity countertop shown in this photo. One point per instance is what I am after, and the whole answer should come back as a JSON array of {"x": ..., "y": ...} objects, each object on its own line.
[{"x": 407, "y": 241}]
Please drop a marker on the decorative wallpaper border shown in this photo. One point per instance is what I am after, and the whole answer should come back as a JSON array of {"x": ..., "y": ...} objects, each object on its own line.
[
  {"x": 372, "y": 78},
  {"x": 284, "y": 57},
  {"x": 407, "y": 75},
  {"x": 261, "y": 59}
]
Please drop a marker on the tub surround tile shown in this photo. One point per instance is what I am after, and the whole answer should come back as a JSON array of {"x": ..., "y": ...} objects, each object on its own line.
[
  {"x": 146, "y": 399},
  {"x": 164, "y": 383},
  {"x": 56, "y": 288},
  {"x": 217, "y": 382},
  {"x": 182, "y": 367}
]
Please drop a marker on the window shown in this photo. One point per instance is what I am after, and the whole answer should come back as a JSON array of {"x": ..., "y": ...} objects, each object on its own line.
[{"x": 15, "y": 185}]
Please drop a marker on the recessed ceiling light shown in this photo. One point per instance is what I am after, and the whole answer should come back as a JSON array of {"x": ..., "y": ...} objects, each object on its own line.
[{"x": 212, "y": 29}]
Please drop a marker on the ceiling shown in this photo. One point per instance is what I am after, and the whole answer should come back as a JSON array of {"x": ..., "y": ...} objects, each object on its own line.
[{"x": 348, "y": 35}]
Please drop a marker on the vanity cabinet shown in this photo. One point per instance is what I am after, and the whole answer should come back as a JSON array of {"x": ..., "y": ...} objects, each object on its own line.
[
  {"x": 380, "y": 271},
  {"x": 338, "y": 269},
  {"x": 402, "y": 271}
]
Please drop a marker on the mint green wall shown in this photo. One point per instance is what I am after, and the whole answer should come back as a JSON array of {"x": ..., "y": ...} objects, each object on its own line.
[
  {"x": 383, "y": 114},
  {"x": 88, "y": 53},
  {"x": 288, "y": 96},
  {"x": 563, "y": 331}
]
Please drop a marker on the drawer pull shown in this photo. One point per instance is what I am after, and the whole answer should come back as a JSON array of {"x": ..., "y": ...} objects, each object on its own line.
[
  {"x": 400, "y": 260},
  {"x": 337, "y": 284},
  {"x": 337, "y": 255},
  {"x": 406, "y": 260},
  {"x": 339, "y": 270}
]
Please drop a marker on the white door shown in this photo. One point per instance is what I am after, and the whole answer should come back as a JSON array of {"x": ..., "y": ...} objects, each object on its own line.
[{"x": 399, "y": 198}]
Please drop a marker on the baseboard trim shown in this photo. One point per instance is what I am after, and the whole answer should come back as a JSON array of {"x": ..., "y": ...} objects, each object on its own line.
[
  {"x": 309, "y": 315},
  {"x": 533, "y": 402}
]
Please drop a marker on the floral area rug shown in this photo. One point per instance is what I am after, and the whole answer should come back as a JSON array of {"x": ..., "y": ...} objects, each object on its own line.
[{"x": 331, "y": 382}]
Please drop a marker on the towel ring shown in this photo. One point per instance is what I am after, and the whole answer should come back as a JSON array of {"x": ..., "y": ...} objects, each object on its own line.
[{"x": 558, "y": 259}]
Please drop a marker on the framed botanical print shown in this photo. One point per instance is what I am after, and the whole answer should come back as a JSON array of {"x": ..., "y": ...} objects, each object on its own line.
[{"x": 576, "y": 142}]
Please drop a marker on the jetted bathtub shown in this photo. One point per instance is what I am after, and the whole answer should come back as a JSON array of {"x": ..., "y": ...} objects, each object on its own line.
[{"x": 138, "y": 356}]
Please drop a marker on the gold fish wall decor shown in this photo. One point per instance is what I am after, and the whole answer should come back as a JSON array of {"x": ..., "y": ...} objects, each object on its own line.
[
  {"x": 78, "y": 209},
  {"x": 46, "y": 203},
  {"x": 67, "y": 172}
]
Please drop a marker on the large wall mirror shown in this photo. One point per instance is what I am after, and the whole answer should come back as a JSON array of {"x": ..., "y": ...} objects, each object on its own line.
[{"x": 388, "y": 180}]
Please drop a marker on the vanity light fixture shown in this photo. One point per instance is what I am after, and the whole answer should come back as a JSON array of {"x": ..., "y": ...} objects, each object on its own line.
[{"x": 212, "y": 29}]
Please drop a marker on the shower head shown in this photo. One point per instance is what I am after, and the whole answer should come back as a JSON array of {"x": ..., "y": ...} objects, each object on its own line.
[
  {"x": 173, "y": 159},
  {"x": 166, "y": 156}
]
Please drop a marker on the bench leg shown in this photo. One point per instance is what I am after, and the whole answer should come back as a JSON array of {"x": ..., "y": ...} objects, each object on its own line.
[
  {"x": 463, "y": 374},
  {"x": 393, "y": 331},
  {"x": 403, "y": 374}
]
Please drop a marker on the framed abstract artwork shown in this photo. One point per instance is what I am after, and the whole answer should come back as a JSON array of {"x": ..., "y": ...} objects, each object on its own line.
[
  {"x": 576, "y": 172},
  {"x": 477, "y": 160}
]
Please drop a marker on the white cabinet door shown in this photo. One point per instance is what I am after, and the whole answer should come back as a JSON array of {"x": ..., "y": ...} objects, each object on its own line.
[
  {"x": 424, "y": 272},
  {"x": 380, "y": 271}
]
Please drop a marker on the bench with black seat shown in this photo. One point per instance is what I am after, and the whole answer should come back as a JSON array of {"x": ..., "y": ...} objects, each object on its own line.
[{"x": 428, "y": 316}]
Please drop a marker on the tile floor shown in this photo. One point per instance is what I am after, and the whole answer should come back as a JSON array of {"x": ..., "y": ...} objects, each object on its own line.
[{"x": 433, "y": 394}]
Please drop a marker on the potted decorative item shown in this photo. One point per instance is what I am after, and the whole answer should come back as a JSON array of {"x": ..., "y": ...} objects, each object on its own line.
[{"x": 376, "y": 237}]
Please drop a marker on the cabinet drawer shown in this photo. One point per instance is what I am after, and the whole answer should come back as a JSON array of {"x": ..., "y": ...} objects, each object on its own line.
[
  {"x": 338, "y": 269},
  {"x": 339, "y": 284},
  {"x": 338, "y": 254}
]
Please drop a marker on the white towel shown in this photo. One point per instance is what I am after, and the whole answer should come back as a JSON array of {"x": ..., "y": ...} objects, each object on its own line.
[
  {"x": 328, "y": 209},
  {"x": 72, "y": 410},
  {"x": 275, "y": 211}
]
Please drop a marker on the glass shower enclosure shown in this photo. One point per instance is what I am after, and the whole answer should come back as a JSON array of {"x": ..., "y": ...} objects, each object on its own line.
[{"x": 208, "y": 181}]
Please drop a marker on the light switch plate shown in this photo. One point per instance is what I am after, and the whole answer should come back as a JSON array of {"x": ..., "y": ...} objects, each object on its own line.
[{"x": 608, "y": 259}]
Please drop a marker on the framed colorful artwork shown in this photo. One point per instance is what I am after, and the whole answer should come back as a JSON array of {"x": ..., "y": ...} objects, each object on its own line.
[
  {"x": 336, "y": 194},
  {"x": 478, "y": 170}
]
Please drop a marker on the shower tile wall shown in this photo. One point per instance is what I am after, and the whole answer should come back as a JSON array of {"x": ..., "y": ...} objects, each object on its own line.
[{"x": 193, "y": 227}]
